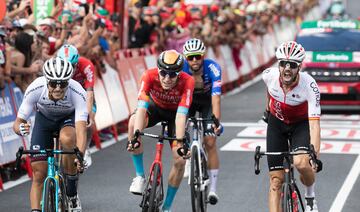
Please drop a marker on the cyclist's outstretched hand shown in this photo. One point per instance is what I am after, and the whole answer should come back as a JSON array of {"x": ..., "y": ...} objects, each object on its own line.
[{"x": 24, "y": 129}]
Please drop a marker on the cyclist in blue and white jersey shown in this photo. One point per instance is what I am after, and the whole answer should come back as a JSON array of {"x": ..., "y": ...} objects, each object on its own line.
[
  {"x": 207, "y": 101},
  {"x": 60, "y": 104}
]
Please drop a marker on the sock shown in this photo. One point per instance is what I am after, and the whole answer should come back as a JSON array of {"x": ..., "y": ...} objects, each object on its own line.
[
  {"x": 310, "y": 190},
  {"x": 35, "y": 210},
  {"x": 71, "y": 185},
  {"x": 213, "y": 174},
  {"x": 170, "y": 195},
  {"x": 139, "y": 164}
]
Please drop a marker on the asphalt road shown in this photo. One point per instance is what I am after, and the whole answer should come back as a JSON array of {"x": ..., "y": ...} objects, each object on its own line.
[{"x": 104, "y": 186}]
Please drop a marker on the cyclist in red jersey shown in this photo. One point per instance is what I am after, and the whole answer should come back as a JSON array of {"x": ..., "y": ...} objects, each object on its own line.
[
  {"x": 165, "y": 95},
  {"x": 293, "y": 114},
  {"x": 84, "y": 73}
]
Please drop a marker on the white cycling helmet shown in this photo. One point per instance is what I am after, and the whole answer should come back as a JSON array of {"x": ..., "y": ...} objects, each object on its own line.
[
  {"x": 290, "y": 50},
  {"x": 194, "y": 46},
  {"x": 57, "y": 69}
]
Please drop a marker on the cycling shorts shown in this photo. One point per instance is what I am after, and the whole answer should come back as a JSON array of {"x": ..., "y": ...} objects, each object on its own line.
[
  {"x": 43, "y": 133},
  {"x": 202, "y": 104},
  {"x": 277, "y": 136}
]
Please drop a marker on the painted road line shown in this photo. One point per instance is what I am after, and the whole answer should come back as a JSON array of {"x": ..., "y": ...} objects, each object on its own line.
[
  {"x": 346, "y": 188},
  {"x": 327, "y": 147},
  {"x": 341, "y": 117},
  {"x": 322, "y": 124},
  {"x": 326, "y": 133},
  {"x": 93, "y": 149}
]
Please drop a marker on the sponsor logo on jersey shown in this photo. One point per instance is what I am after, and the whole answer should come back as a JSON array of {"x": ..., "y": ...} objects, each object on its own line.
[
  {"x": 315, "y": 89},
  {"x": 214, "y": 70},
  {"x": 89, "y": 74},
  {"x": 188, "y": 96}
]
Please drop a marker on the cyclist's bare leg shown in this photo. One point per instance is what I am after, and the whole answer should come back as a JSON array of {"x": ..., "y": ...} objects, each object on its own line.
[
  {"x": 67, "y": 139},
  {"x": 276, "y": 181},
  {"x": 307, "y": 176},
  {"x": 39, "y": 169},
  {"x": 211, "y": 149},
  {"x": 178, "y": 167},
  {"x": 213, "y": 163}
]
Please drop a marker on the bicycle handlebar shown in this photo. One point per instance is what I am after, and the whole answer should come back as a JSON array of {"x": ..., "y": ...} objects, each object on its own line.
[
  {"x": 310, "y": 152},
  {"x": 48, "y": 153},
  {"x": 181, "y": 151}
]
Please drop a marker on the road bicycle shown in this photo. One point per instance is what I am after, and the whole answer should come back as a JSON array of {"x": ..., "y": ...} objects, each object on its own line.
[
  {"x": 54, "y": 197},
  {"x": 198, "y": 177},
  {"x": 291, "y": 196},
  {"x": 153, "y": 194}
]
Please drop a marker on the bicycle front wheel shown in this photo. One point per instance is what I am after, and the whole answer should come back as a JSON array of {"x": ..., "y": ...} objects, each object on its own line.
[
  {"x": 155, "y": 193},
  {"x": 49, "y": 198},
  {"x": 196, "y": 194},
  {"x": 286, "y": 203},
  {"x": 62, "y": 195}
]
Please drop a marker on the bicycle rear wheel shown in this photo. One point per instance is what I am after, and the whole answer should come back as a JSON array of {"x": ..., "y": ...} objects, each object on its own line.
[
  {"x": 49, "y": 198},
  {"x": 155, "y": 197},
  {"x": 196, "y": 195}
]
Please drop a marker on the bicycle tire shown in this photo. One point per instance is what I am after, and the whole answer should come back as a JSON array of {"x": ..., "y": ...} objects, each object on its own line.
[
  {"x": 154, "y": 198},
  {"x": 63, "y": 206},
  {"x": 205, "y": 176},
  {"x": 195, "y": 181},
  {"x": 299, "y": 199},
  {"x": 49, "y": 198},
  {"x": 286, "y": 198}
]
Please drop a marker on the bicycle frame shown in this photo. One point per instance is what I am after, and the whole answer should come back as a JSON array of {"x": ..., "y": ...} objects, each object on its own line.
[{"x": 53, "y": 172}]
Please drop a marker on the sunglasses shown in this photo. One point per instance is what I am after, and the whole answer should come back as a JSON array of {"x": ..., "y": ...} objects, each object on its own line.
[
  {"x": 171, "y": 74},
  {"x": 292, "y": 64},
  {"x": 61, "y": 84},
  {"x": 197, "y": 57}
]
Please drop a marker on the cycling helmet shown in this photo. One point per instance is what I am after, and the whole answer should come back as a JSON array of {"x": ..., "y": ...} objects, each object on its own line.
[
  {"x": 194, "y": 46},
  {"x": 170, "y": 60},
  {"x": 290, "y": 51},
  {"x": 69, "y": 52},
  {"x": 57, "y": 69}
]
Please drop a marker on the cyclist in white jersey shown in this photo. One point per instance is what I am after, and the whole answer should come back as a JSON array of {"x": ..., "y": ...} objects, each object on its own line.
[
  {"x": 293, "y": 113},
  {"x": 60, "y": 104}
]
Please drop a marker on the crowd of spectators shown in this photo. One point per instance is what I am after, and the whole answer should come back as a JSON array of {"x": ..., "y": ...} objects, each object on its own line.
[
  {"x": 25, "y": 43},
  {"x": 167, "y": 24}
]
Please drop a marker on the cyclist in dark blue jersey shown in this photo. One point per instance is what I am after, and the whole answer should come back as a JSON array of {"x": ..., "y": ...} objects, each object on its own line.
[{"x": 206, "y": 101}]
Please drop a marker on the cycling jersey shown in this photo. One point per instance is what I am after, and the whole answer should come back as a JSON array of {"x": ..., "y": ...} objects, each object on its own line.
[
  {"x": 302, "y": 102},
  {"x": 85, "y": 73},
  {"x": 211, "y": 77},
  {"x": 37, "y": 94},
  {"x": 178, "y": 98}
]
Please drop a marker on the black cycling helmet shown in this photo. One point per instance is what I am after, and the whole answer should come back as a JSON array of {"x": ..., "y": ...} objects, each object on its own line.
[{"x": 170, "y": 60}]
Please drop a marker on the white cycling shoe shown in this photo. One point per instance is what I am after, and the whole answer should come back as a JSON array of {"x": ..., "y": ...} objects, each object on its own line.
[
  {"x": 74, "y": 204},
  {"x": 137, "y": 186},
  {"x": 311, "y": 205},
  {"x": 87, "y": 158},
  {"x": 187, "y": 168},
  {"x": 213, "y": 198}
]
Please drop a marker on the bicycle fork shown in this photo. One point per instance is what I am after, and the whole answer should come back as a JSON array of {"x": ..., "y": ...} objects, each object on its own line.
[{"x": 200, "y": 152}]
